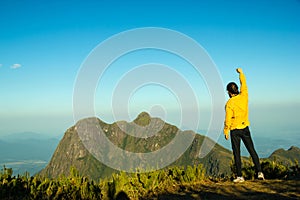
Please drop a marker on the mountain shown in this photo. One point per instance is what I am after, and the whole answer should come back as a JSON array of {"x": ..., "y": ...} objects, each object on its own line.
[
  {"x": 286, "y": 156},
  {"x": 71, "y": 151},
  {"x": 26, "y": 151},
  {"x": 27, "y": 145},
  {"x": 21, "y": 136}
]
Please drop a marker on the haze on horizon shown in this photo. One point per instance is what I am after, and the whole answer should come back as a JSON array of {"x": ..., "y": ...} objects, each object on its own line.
[{"x": 43, "y": 44}]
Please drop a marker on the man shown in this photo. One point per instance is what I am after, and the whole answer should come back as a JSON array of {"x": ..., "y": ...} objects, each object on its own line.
[{"x": 237, "y": 123}]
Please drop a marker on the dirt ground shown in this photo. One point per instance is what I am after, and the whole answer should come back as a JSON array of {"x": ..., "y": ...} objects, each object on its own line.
[{"x": 267, "y": 189}]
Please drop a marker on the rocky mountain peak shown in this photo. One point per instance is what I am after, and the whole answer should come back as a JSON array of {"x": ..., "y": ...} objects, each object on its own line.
[
  {"x": 294, "y": 148},
  {"x": 71, "y": 152},
  {"x": 143, "y": 119}
]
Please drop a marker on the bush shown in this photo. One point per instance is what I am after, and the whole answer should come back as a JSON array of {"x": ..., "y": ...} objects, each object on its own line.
[
  {"x": 25, "y": 187},
  {"x": 138, "y": 184},
  {"x": 271, "y": 169},
  {"x": 135, "y": 185},
  {"x": 274, "y": 170}
]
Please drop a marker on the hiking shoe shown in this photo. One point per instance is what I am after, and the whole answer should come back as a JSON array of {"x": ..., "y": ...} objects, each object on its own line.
[
  {"x": 260, "y": 176},
  {"x": 239, "y": 179}
]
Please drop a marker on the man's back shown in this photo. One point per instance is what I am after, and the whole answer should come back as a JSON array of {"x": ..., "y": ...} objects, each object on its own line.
[{"x": 237, "y": 108}]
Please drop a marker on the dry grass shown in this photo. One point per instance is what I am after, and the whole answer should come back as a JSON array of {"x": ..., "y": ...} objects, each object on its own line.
[{"x": 268, "y": 189}]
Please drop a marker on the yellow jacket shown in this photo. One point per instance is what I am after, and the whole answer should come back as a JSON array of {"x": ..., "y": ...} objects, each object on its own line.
[{"x": 237, "y": 109}]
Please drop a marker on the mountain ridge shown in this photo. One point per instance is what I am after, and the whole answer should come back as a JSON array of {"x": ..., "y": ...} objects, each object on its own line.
[{"x": 71, "y": 152}]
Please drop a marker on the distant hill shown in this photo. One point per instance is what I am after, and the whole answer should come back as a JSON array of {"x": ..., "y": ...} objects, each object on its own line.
[
  {"x": 72, "y": 152},
  {"x": 286, "y": 156},
  {"x": 27, "y": 145},
  {"x": 21, "y": 136},
  {"x": 26, "y": 151}
]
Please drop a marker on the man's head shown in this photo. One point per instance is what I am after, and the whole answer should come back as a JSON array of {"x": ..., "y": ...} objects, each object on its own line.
[{"x": 232, "y": 89}]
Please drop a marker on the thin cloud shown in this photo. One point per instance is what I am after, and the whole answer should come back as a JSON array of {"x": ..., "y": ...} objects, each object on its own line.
[
  {"x": 15, "y": 66},
  {"x": 0, "y": 65}
]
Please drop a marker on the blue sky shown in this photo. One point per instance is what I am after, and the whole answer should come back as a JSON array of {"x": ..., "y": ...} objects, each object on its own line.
[{"x": 44, "y": 43}]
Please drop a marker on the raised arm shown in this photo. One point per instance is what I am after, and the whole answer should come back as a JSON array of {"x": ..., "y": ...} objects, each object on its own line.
[{"x": 244, "y": 89}]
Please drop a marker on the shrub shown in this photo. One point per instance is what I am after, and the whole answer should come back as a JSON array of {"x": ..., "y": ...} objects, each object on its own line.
[
  {"x": 271, "y": 169},
  {"x": 274, "y": 170},
  {"x": 135, "y": 185}
]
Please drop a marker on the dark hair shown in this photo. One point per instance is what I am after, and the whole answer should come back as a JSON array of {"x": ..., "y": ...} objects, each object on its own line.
[{"x": 233, "y": 88}]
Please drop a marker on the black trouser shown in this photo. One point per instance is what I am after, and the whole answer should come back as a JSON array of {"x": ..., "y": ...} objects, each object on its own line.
[{"x": 236, "y": 136}]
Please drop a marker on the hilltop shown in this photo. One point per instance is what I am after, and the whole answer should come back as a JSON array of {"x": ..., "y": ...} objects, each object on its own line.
[{"x": 286, "y": 156}]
